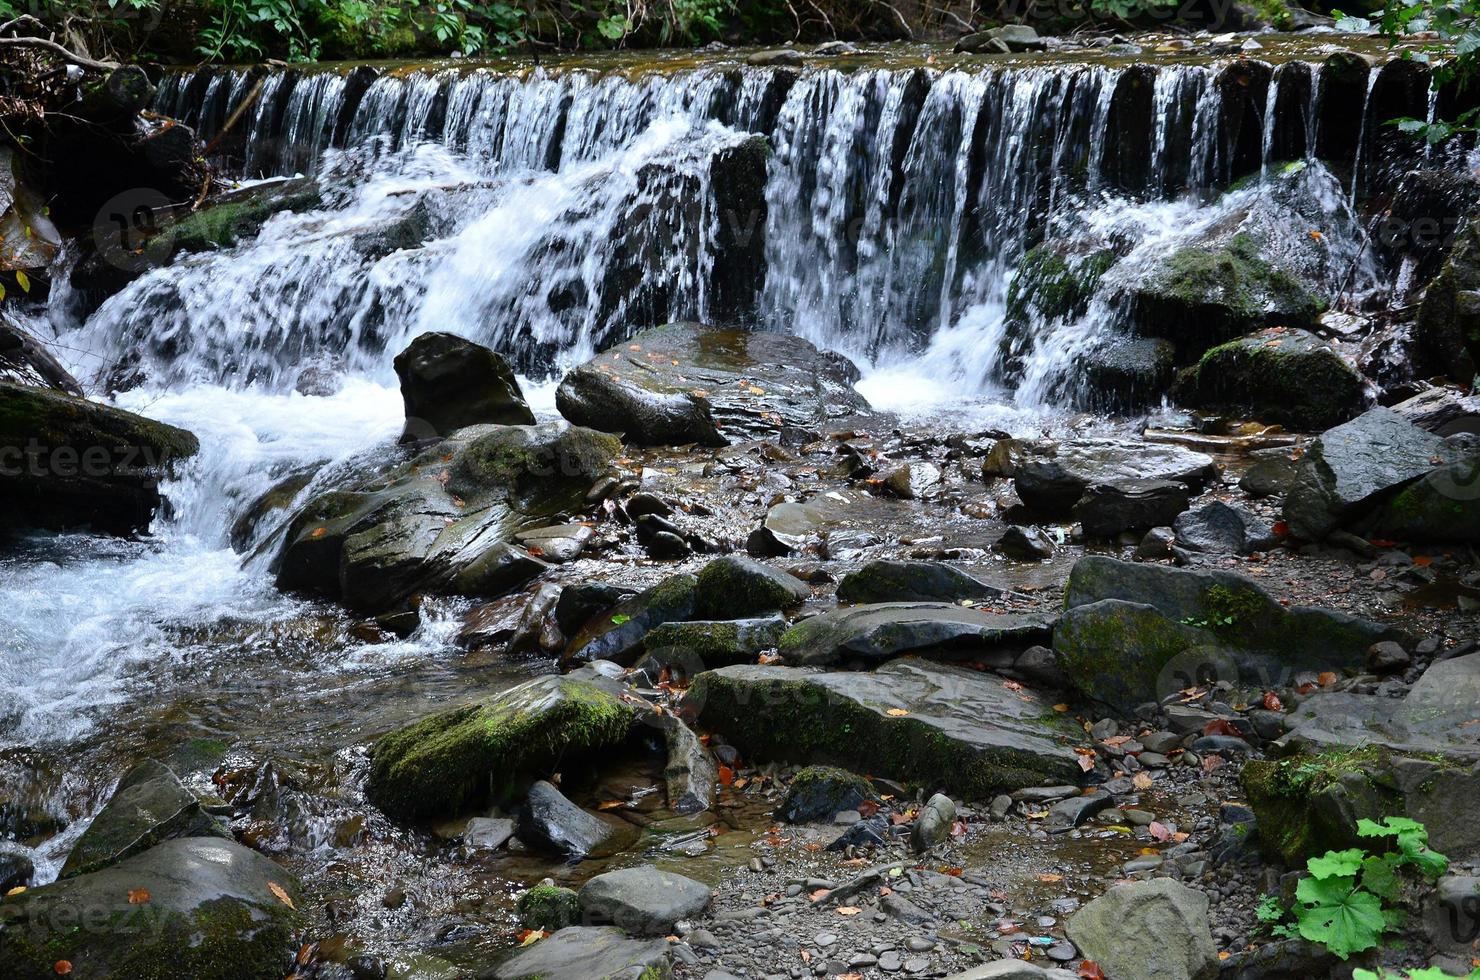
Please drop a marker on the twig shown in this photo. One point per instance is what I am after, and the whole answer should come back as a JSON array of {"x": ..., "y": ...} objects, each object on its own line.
[
  {"x": 58, "y": 50},
  {"x": 236, "y": 114}
]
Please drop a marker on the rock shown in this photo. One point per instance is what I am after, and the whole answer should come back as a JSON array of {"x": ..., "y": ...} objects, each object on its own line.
[
  {"x": 1281, "y": 375},
  {"x": 1051, "y": 484},
  {"x": 1067, "y": 814},
  {"x": 215, "y": 910},
  {"x": 911, "y": 481},
  {"x": 1223, "y": 529},
  {"x": 912, "y": 581},
  {"x": 933, "y": 824},
  {"x": 588, "y": 953},
  {"x": 1387, "y": 657},
  {"x": 682, "y": 383},
  {"x": 1009, "y": 37},
  {"x": 820, "y": 792},
  {"x": 1441, "y": 410},
  {"x": 448, "y": 383},
  {"x": 1348, "y": 468},
  {"x": 1148, "y": 930},
  {"x": 1271, "y": 471},
  {"x": 487, "y": 833},
  {"x": 1025, "y": 543},
  {"x": 25, "y": 361},
  {"x": 734, "y": 587},
  {"x": 454, "y": 760},
  {"x": 149, "y": 805},
  {"x": 548, "y": 908},
  {"x": 1011, "y": 970},
  {"x": 961, "y": 730},
  {"x": 1127, "y": 373},
  {"x": 702, "y": 644},
  {"x": 1442, "y": 506},
  {"x": 16, "y": 871},
  {"x": 619, "y": 635},
  {"x": 556, "y": 544},
  {"x": 1007, "y": 455},
  {"x": 667, "y": 546},
  {"x": 68, "y": 463},
  {"x": 1108, "y": 509},
  {"x": 878, "y": 631},
  {"x": 691, "y": 773},
  {"x": 1287, "y": 959},
  {"x": 1135, "y": 632},
  {"x": 581, "y": 601},
  {"x": 550, "y": 822},
  {"x": 775, "y": 58},
  {"x": 642, "y": 900},
  {"x": 444, "y": 520},
  {"x": 1448, "y": 325},
  {"x": 1209, "y": 292},
  {"x": 1157, "y": 544}
]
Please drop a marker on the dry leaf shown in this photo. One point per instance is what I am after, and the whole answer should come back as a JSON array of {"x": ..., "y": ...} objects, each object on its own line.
[
  {"x": 818, "y": 895},
  {"x": 138, "y": 896},
  {"x": 726, "y": 776},
  {"x": 1061, "y": 708},
  {"x": 531, "y": 936},
  {"x": 1141, "y": 780},
  {"x": 1326, "y": 678},
  {"x": 1090, "y": 970},
  {"x": 1272, "y": 702},
  {"x": 281, "y": 893},
  {"x": 848, "y": 910},
  {"x": 896, "y": 712},
  {"x": 18, "y": 889},
  {"x": 1159, "y": 831},
  {"x": 62, "y": 967},
  {"x": 1048, "y": 877}
]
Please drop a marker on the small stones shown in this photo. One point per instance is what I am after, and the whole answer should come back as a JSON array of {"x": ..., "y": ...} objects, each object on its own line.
[
  {"x": 1387, "y": 657},
  {"x": 933, "y": 823},
  {"x": 1026, "y": 544}
]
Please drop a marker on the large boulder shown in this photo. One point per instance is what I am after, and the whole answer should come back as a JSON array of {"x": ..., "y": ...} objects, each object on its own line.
[
  {"x": 1281, "y": 375},
  {"x": 1448, "y": 324},
  {"x": 928, "y": 723},
  {"x": 890, "y": 580},
  {"x": 456, "y": 759},
  {"x": 642, "y": 900},
  {"x": 876, "y": 632},
  {"x": 1134, "y": 632},
  {"x": 150, "y": 805},
  {"x": 550, "y": 822},
  {"x": 443, "y": 520},
  {"x": 202, "y": 908},
  {"x": 1051, "y": 480},
  {"x": 689, "y": 383},
  {"x": 705, "y": 643},
  {"x": 1223, "y": 529},
  {"x": 1124, "y": 374},
  {"x": 66, "y": 462},
  {"x": 1148, "y": 930},
  {"x": 734, "y": 586},
  {"x": 588, "y": 953},
  {"x": 448, "y": 383},
  {"x": 618, "y": 634},
  {"x": 1108, "y": 509},
  {"x": 1443, "y": 506},
  {"x": 1349, "y": 469}
]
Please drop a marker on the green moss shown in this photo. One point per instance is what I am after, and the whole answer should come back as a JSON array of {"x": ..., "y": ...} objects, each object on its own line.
[
  {"x": 1294, "y": 799},
  {"x": 455, "y": 760},
  {"x": 223, "y": 224},
  {"x": 1290, "y": 378},
  {"x": 1055, "y": 284},
  {"x": 548, "y": 907}
]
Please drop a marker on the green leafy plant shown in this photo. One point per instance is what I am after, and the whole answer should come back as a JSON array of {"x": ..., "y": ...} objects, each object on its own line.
[
  {"x": 1351, "y": 897},
  {"x": 1426, "y": 973},
  {"x": 1454, "y": 51}
]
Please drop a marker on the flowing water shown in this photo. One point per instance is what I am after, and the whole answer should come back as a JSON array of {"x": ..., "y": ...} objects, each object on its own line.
[{"x": 548, "y": 212}]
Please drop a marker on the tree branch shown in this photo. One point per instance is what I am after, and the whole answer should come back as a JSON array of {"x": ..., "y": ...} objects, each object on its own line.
[{"x": 56, "y": 49}]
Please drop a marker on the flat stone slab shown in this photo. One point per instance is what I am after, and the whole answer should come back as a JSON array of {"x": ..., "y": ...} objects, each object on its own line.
[
  {"x": 643, "y": 900},
  {"x": 588, "y": 953},
  {"x": 875, "y": 632},
  {"x": 913, "y": 720}
]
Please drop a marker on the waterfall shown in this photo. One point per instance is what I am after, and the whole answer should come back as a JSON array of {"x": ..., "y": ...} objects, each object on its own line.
[{"x": 551, "y": 211}]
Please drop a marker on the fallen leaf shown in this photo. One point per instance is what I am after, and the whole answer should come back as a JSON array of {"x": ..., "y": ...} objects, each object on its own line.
[
  {"x": 1422, "y": 561},
  {"x": 1086, "y": 762},
  {"x": 610, "y": 804},
  {"x": 1272, "y": 702},
  {"x": 896, "y": 712},
  {"x": 1050, "y": 878},
  {"x": 1326, "y": 678},
  {"x": 958, "y": 829},
  {"x": 848, "y": 910},
  {"x": 1061, "y": 708},
  {"x": 318, "y": 532},
  {"x": 818, "y": 895},
  {"x": 1224, "y": 954},
  {"x": 726, "y": 776},
  {"x": 531, "y": 936},
  {"x": 1212, "y": 763},
  {"x": 62, "y": 967},
  {"x": 1090, "y": 970},
  {"x": 281, "y": 893},
  {"x": 1141, "y": 780},
  {"x": 1012, "y": 685},
  {"x": 138, "y": 896},
  {"x": 18, "y": 889},
  {"x": 1159, "y": 831}
]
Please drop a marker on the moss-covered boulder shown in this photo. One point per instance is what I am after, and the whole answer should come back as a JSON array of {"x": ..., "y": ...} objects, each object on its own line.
[
  {"x": 548, "y": 907},
  {"x": 66, "y": 462},
  {"x": 458, "y": 759},
  {"x": 1133, "y": 632},
  {"x": 1204, "y": 294},
  {"x": 1448, "y": 325},
  {"x": 1055, "y": 281},
  {"x": 1443, "y": 506},
  {"x": 234, "y": 216},
  {"x": 150, "y": 805},
  {"x": 911, "y": 720},
  {"x": 819, "y": 792},
  {"x": 618, "y": 634},
  {"x": 186, "y": 909},
  {"x": 889, "y": 580},
  {"x": 443, "y": 520},
  {"x": 875, "y": 632},
  {"x": 735, "y": 586},
  {"x": 1280, "y": 375},
  {"x": 691, "y": 383},
  {"x": 706, "y": 643}
]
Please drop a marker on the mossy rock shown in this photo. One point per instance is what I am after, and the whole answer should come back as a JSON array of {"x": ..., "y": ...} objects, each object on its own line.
[
  {"x": 215, "y": 911},
  {"x": 702, "y": 644},
  {"x": 618, "y": 634},
  {"x": 1054, "y": 283},
  {"x": 233, "y": 217},
  {"x": 735, "y": 586},
  {"x": 819, "y": 792},
  {"x": 1201, "y": 295},
  {"x": 1285, "y": 376},
  {"x": 1308, "y": 805},
  {"x": 150, "y": 805},
  {"x": 456, "y": 760},
  {"x": 548, "y": 907},
  {"x": 1118, "y": 653},
  {"x": 1443, "y": 506}
]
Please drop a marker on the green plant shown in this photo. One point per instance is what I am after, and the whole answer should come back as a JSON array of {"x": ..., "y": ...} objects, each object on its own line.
[
  {"x": 1351, "y": 897},
  {"x": 1454, "y": 54},
  {"x": 1427, "y": 973}
]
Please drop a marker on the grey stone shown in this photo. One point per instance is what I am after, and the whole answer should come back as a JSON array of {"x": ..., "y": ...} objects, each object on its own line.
[
  {"x": 1149, "y": 930},
  {"x": 879, "y": 631},
  {"x": 933, "y": 823},
  {"x": 1223, "y": 529},
  {"x": 149, "y": 805},
  {"x": 1108, "y": 509},
  {"x": 488, "y": 833},
  {"x": 448, "y": 382},
  {"x": 642, "y": 900},
  {"x": 1025, "y": 543},
  {"x": 588, "y": 953},
  {"x": 551, "y": 822},
  {"x": 1271, "y": 471},
  {"x": 1051, "y": 483},
  {"x": 912, "y": 581}
]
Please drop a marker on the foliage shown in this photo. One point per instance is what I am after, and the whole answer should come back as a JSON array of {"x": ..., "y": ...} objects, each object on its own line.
[
  {"x": 1427, "y": 973},
  {"x": 1350, "y": 897},
  {"x": 1454, "y": 54}
]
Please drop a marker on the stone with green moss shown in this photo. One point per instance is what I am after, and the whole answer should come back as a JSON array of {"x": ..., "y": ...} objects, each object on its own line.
[
  {"x": 619, "y": 633},
  {"x": 1119, "y": 653},
  {"x": 1443, "y": 506},
  {"x": 1448, "y": 325},
  {"x": 456, "y": 760},
  {"x": 1054, "y": 282},
  {"x": 214, "y": 911},
  {"x": 735, "y": 586},
  {"x": 701, "y": 644},
  {"x": 911, "y": 720},
  {"x": 73, "y": 463},
  {"x": 819, "y": 792},
  {"x": 548, "y": 907},
  {"x": 1285, "y": 376},
  {"x": 1205, "y": 294},
  {"x": 238, "y": 215}
]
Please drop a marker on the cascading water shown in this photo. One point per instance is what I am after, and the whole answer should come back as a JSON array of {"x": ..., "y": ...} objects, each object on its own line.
[{"x": 548, "y": 214}]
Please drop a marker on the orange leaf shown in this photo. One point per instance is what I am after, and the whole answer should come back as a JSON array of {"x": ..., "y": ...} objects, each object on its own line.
[
  {"x": 1326, "y": 678},
  {"x": 896, "y": 712},
  {"x": 62, "y": 967},
  {"x": 1221, "y": 726},
  {"x": 818, "y": 895},
  {"x": 1422, "y": 561},
  {"x": 1272, "y": 702},
  {"x": 1141, "y": 780},
  {"x": 1090, "y": 970},
  {"x": 1061, "y": 708},
  {"x": 1159, "y": 831},
  {"x": 848, "y": 910},
  {"x": 726, "y": 776},
  {"x": 1050, "y": 877},
  {"x": 281, "y": 893},
  {"x": 138, "y": 896}
]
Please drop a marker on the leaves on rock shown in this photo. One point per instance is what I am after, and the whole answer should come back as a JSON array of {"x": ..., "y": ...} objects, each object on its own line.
[{"x": 280, "y": 893}]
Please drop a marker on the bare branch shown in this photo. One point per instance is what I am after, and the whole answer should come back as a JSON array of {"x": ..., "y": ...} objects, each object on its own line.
[{"x": 57, "y": 50}]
